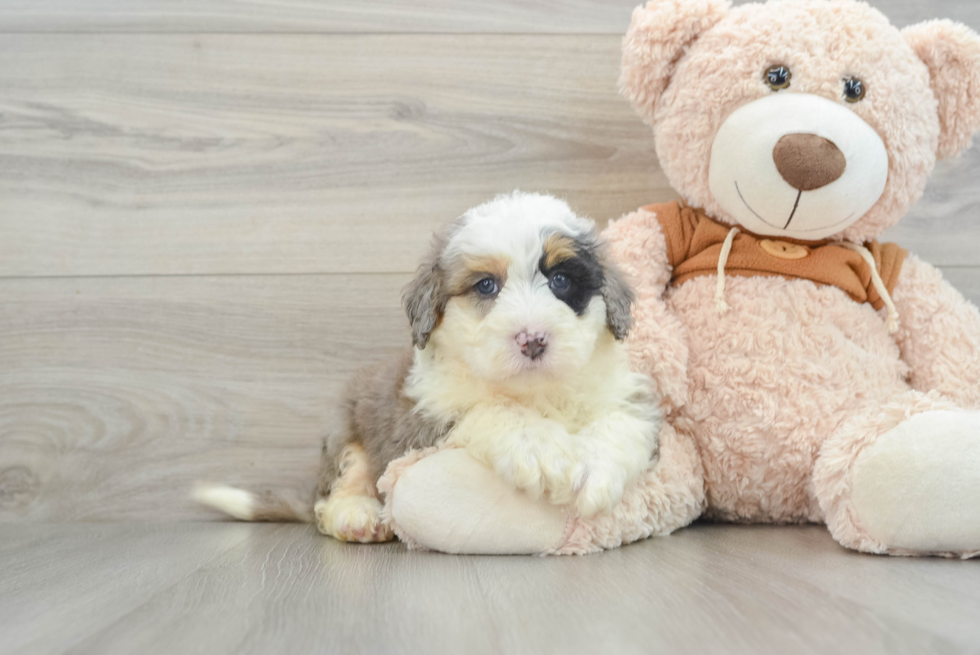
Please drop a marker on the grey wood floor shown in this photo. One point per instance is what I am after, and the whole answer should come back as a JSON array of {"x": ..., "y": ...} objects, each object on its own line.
[{"x": 219, "y": 588}]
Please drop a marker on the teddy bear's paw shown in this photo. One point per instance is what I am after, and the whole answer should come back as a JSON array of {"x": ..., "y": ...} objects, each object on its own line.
[
  {"x": 917, "y": 487},
  {"x": 352, "y": 518},
  {"x": 599, "y": 487},
  {"x": 537, "y": 460},
  {"x": 455, "y": 503}
]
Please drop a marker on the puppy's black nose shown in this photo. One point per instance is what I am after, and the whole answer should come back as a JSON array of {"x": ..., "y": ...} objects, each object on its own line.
[{"x": 532, "y": 344}]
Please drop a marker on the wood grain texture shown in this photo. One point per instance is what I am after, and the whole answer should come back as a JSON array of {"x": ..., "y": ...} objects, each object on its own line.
[
  {"x": 337, "y": 16},
  {"x": 60, "y": 586},
  {"x": 178, "y": 154},
  {"x": 116, "y": 394},
  {"x": 943, "y": 228},
  {"x": 317, "y": 16},
  {"x": 234, "y": 588}
]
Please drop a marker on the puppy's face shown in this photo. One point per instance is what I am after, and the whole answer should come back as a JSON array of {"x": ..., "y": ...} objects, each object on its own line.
[{"x": 518, "y": 286}]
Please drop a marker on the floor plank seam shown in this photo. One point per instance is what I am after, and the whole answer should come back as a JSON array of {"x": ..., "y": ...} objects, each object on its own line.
[{"x": 165, "y": 589}]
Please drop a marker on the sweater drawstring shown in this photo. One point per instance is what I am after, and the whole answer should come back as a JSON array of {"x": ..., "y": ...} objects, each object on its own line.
[
  {"x": 726, "y": 248},
  {"x": 879, "y": 284}
]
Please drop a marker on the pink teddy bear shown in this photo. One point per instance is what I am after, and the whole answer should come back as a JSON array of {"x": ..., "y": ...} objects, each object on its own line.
[{"x": 811, "y": 374}]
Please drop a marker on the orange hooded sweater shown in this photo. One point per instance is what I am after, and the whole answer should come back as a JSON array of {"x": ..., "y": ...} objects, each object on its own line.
[{"x": 694, "y": 247}]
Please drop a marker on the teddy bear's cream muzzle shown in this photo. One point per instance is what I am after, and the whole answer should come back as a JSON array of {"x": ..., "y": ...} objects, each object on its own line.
[{"x": 797, "y": 165}]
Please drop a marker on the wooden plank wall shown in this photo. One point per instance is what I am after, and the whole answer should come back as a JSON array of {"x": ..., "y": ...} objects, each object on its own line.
[{"x": 209, "y": 208}]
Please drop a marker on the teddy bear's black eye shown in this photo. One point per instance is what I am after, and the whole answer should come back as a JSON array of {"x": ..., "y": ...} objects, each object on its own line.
[
  {"x": 778, "y": 78},
  {"x": 854, "y": 89}
]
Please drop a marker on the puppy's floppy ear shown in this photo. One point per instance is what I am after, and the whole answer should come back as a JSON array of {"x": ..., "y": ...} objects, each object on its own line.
[
  {"x": 951, "y": 51},
  {"x": 424, "y": 303},
  {"x": 619, "y": 297},
  {"x": 657, "y": 38},
  {"x": 426, "y": 296}
]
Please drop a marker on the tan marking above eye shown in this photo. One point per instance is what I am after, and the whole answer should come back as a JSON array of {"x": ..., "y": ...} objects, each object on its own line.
[
  {"x": 557, "y": 248},
  {"x": 472, "y": 268}
]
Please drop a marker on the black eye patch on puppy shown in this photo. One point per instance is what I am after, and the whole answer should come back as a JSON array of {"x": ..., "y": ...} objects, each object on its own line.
[{"x": 574, "y": 272}]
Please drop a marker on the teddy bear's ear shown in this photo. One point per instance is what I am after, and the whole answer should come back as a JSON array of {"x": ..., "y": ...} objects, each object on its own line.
[
  {"x": 951, "y": 51},
  {"x": 657, "y": 37}
]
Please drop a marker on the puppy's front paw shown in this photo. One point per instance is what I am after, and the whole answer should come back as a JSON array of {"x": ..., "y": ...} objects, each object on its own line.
[
  {"x": 599, "y": 487},
  {"x": 537, "y": 460},
  {"x": 352, "y": 518}
]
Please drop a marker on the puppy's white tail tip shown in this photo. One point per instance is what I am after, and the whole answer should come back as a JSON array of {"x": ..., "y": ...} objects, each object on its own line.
[
  {"x": 238, "y": 503},
  {"x": 281, "y": 506}
]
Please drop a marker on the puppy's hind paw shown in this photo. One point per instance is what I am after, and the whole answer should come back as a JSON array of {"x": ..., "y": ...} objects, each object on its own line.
[{"x": 352, "y": 518}]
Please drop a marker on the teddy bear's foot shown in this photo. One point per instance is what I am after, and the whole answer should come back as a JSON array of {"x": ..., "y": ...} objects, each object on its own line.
[
  {"x": 446, "y": 500},
  {"x": 915, "y": 489},
  {"x": 449, "y": 501},
  {"x": 918, "y": 486}
]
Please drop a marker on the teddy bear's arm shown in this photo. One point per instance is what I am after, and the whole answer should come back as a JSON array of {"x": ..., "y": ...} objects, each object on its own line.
[
  {"x": 657, "y": 341},
  {"x": 939, "y": 334}
]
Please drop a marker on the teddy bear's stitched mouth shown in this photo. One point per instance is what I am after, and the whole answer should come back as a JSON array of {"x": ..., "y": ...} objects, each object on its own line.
[{"x": 796, "y": 206}]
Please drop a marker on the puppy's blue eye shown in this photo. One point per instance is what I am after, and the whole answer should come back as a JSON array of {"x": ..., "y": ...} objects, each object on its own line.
[
  {"x": 560, "y": 282},
  {"x": 487, "y": 286}
]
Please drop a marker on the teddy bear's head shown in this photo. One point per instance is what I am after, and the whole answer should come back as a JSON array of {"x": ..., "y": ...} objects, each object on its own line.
[{"x": 807, "y": 119}]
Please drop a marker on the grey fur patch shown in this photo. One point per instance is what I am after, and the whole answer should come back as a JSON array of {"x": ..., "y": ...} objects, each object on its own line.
[
  {"x": 425, "y": 301},
  {"x": 282, "y": 506},
  {"x": 379, "y": 416},
  {"x": 619, "y": 298},
  {"x": 426, "y": 296}
]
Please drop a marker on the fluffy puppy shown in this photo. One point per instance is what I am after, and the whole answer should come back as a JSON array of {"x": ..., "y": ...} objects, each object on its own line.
[{"x": 517, "y": 321}]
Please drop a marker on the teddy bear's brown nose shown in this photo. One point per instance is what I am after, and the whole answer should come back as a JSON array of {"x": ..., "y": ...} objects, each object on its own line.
[{"x": 808, "y": 162}]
